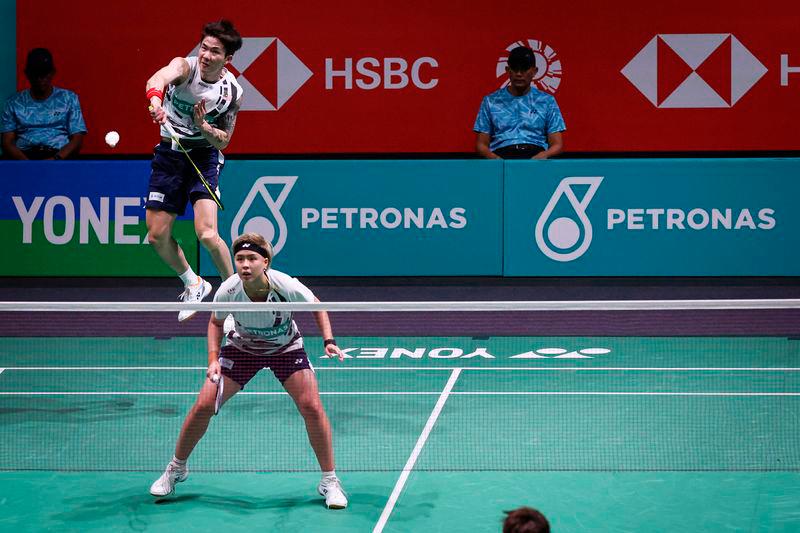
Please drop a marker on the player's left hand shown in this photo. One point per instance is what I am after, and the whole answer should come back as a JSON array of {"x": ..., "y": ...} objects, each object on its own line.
[
  {"x": 332, "y": 350},
  {"x": 199, "y": 113}
]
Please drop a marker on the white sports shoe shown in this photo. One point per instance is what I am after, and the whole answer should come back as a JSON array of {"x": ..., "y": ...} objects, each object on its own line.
[
  {"x": 331, "y": 488},
  {"x": 165, "y": 485},
  {"x": 193, "y": 294}
]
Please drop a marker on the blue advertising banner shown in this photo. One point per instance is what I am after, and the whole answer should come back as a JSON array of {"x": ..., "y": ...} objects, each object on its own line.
[
  {"x": 363, "y": 218},
  {"x": 80, "y": 218},
  {"x": 657, "y": 217}
]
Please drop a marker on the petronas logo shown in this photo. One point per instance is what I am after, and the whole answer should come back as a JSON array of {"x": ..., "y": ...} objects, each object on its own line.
[
  {"x": 265, "y": 218},
  {"x": 563, "y": 231}
]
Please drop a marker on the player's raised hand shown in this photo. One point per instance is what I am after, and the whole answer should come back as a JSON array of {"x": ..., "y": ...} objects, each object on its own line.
[
  {"x": 199, "y": 113},
  {"x": 331, "y": 350}
]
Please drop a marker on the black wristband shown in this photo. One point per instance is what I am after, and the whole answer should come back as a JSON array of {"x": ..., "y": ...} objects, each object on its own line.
[{"x": 329, "y": 342}]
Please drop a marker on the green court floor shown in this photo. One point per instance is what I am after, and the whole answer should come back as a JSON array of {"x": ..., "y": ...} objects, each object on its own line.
[{"x": 431, "y": 434}]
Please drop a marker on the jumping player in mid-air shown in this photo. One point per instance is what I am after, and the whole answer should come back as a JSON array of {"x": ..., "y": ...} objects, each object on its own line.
[{"x": 199, "y": 99}]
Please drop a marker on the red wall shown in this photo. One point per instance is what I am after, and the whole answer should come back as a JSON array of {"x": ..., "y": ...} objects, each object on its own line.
[{"x": 106, "y": 51}]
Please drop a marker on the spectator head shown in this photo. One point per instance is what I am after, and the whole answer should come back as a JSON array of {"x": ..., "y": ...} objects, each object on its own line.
[
  {"x": 521, "y": 59},
  {"x": 39, "y": 69},
  {"x": 521, "y": 69},
  {"x": 226, "y": 33},
  {"x": 525, "y": 520}
]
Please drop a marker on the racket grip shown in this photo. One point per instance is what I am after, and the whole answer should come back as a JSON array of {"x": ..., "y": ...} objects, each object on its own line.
[{"x": 214, "y": 378}]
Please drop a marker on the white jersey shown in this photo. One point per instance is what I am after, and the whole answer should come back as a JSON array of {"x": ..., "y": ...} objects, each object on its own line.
[
  {"x": 264, "y": 332},
  {"x": 179, "y": 100}
]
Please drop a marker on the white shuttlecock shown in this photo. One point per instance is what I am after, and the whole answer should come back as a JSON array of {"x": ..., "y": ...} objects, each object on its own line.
[{"x": 112, "y": 138}]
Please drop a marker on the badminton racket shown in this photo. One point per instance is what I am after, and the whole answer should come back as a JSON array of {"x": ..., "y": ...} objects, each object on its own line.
[{"x": 216, "y": 378}]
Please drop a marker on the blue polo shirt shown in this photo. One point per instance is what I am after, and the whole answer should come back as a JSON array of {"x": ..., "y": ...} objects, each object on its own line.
[
  {"x": 526, "y": 119},
  {"x": 47, "y": 122}
]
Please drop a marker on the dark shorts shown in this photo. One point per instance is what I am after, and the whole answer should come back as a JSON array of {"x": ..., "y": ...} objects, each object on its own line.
[
  {"x": 174, "y": 181},
  {"x": 242, "y": 366},
  {"x": 518, "y": 151}
]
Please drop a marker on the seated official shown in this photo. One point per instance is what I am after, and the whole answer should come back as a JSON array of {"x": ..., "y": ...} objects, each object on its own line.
[
  {"x": 43, "y": 122},
  {"x": 519, "y": 121}
]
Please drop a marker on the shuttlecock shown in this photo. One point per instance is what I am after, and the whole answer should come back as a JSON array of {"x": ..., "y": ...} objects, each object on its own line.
[{"x": 112, "y": 138}]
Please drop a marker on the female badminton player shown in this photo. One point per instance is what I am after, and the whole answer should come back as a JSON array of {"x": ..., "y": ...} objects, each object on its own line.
[{"x": 259, "y": 340}]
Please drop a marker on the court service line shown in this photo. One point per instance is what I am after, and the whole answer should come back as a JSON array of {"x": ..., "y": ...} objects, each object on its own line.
[{"x": 412, "y": 459}]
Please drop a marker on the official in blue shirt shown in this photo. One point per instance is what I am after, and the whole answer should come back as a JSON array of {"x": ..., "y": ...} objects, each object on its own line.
[
  {"x": 518, "y": 121},
  {"x": 43, "y": 122}
]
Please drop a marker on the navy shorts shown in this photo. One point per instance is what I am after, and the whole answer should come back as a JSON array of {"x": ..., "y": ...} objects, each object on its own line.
[
  {"x": 174, "y": 181},
  {"x": 242, "y": 366}
]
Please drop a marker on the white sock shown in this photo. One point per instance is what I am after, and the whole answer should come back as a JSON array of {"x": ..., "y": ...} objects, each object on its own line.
[
  {"x": 181, "y": 464},
  {"x": 328, "y": 475},
  {"x": 189, "y": 277}
]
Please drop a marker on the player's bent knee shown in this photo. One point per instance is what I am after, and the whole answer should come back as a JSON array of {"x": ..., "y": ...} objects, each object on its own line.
[
  {"x": 156, "y": 236},
  {"x": 204, "y": 408},
  {"x": 208, "y": 238},
  {"x": 311, "y": 408}
]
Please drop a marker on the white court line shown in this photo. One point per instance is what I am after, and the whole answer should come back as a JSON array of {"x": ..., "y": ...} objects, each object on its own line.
[
  {"x": 414, "y": 393},
  {"x": 446, "y": 368},
  {"x": 412, "y": 459}
]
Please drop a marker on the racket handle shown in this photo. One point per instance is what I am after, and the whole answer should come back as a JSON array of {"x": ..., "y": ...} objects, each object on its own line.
[{"x": 214, "y": 378}]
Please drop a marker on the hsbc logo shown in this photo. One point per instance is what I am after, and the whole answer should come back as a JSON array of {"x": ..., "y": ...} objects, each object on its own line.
[
  {"x": 269, "y": 73},
  {"x": 694, "y": 70}
]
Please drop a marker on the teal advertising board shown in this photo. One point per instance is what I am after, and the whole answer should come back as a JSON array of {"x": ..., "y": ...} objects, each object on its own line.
[
  {"x": 364, "y": 218},
  {"x": 641, "y": 217},
  {"x": 655, "y": 217},
  {"x": 8, "y": 49}
]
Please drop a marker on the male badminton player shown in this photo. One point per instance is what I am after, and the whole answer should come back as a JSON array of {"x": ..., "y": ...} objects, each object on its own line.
[
  {"x": 200, "y": 99},
  {"x": 259, "y": 340}
]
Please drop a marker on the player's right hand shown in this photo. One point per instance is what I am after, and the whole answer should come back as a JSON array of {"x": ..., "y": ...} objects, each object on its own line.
[
  {"x": 214, "y": 369},
  {"x": 157, "y": 114}
]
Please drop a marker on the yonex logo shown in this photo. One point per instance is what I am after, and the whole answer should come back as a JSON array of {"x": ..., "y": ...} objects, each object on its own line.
[
  {"x": 694, "y": 70},
  {"x": 259, "y": 220},
  {"x": 479, "y": 353},
  {"x": 558, "y": 234},
  {"x": 548, "y": 65},
  {"x": 273, "y": 67}
]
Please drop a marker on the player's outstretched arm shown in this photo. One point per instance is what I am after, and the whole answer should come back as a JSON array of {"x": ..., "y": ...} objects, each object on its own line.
[
  {"x": 324, "y": 324},
  {"x": 214, "y": 342}
]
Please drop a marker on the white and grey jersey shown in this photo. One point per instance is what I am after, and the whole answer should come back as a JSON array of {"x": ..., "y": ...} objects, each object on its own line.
[
  {"x": 222, "y": 98},
  {"x": 264, "y": 332}
]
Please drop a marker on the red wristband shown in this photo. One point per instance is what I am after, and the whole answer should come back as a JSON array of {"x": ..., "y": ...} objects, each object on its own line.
[{"x": 151, "y": 92}]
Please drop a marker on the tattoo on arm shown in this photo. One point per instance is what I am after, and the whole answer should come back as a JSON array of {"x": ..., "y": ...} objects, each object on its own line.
[{"x": 227, "y": 121}]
